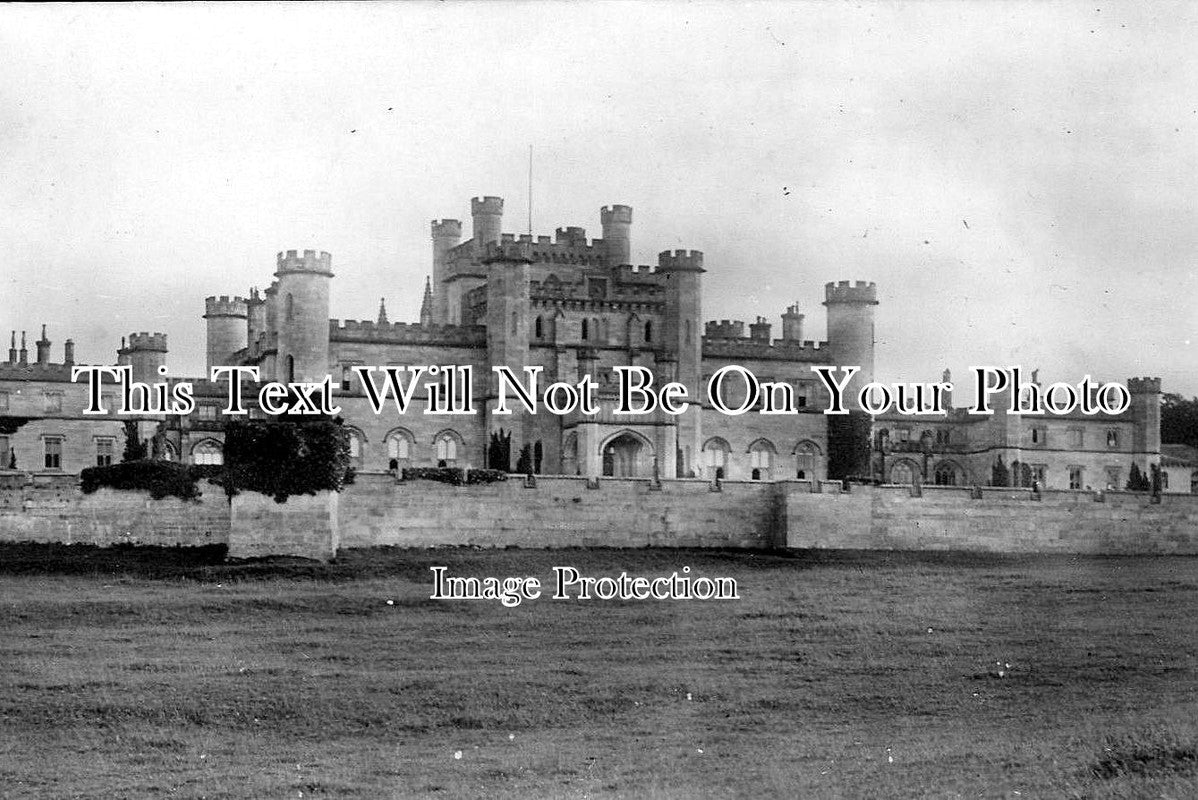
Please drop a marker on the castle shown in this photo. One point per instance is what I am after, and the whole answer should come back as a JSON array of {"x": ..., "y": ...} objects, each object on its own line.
[{"x": 573, "y": 307}]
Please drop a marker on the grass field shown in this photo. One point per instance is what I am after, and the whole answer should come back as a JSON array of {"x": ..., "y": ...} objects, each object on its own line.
[{"x": 141, "y": 673}]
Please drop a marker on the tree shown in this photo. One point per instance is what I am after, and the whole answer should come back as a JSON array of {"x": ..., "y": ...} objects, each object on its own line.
[
  {"x": 1179, "y": 420},
  {"x": 999, "y": 474},
  {"x": 135, "y": 448},
  {"x": 1137, "y": 481},
  {"x": 524, "y": 463},
  {"x": 538, "y": 456},
  {"x": 499, "y": 451}
]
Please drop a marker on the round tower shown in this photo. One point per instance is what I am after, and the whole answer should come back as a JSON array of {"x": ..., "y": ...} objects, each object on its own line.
[
  {"x": 850, "y": 309},
  {"x": 447, "y": 234},
  {"x": 617, "y": 230},
  {"x": 792, "y": 324},
  {"x": 851, "y": 330},
  {"x": 1146, "y": 411},
  {"x": 145, "y": 352},
  {"x": 302, "y": 312},
  {"x": 227, "y": 329},
  {"x": 487, "y": 214}
]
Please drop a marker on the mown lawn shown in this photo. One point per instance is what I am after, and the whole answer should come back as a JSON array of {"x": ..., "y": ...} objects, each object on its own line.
[{"x": 142, "y": 673}]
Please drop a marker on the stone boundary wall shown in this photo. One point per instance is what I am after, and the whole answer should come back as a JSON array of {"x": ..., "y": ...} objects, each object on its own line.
[
  {"x": 559, "y": 512},
  {"x": 568, "y": 512},
  {"x": 58, "y": 512},
  {"x": 1000, "y": 520}
]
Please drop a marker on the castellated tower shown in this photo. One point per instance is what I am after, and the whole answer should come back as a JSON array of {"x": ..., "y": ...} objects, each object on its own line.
[
  {"x": 617, "y": 229},
  {"x": 507, "y": 266},
  {"x": 682, "y": 276},
  {"x": 1146, "y": 410},
  {"x": 487, "y": 213},
  {"x": 851, "y": 342},
  {"x": 447, "y": 234},
  {"x": 851, "y": 330},
  {"x": 228, "y": 329},
  {"x": 145, "y": 352},
  {"x": 302, "y": 312},
  {"x": 792, "y": 324}
]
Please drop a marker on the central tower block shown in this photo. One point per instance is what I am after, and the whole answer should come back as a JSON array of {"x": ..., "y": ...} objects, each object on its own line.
[
  {"x": 302, "y": 313},
  {"x": 487, "y": 213},
  {"x": 617, "y": 229}
]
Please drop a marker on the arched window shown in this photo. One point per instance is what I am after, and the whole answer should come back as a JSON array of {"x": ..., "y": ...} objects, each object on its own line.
[
  {"x": 539, "y": 329},
  {"x": 761, "y": 458},
  {"x": 168, "y": 452},
  {"x": 585, "y": 330},
  {"x": 399, "y": 445},
  {"x": 208, "y": 451},
  {"x": 649, "y": 331},
  {"x": 903, "y": 472},
  {"x": 946, "y": 474},
  {"x": 715, "y": 457},
  {"x": 357, "y": 445},
  {"x": 290, "y": 369},
  {"x": 289, "y": 311},
  {"x": 806, "y": 456},
  {"x": 515, "y": 321},
  {"x": 446, "y": 445}
]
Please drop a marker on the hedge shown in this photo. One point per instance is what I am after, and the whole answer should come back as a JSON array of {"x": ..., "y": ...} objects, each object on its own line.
[
  {"x": 454, "y": 476},
  {"x": 160, "y": 478}
]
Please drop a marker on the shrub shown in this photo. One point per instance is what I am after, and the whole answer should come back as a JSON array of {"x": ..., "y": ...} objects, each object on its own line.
[
  {"x": 282, "y": 459},
  {"x": 477, "y": 476},
  {"x": 451, "y": 475},
  {"x": 160, "y": 478}
]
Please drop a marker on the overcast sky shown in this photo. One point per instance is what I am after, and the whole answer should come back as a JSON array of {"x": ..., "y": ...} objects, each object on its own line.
[{"x": 1019, "y": 179}]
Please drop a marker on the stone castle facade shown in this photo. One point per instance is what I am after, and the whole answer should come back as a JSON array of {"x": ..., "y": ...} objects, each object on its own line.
[{"x": 573, "y": 307}]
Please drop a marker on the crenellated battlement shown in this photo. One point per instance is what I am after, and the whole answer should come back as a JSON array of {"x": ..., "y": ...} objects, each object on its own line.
[
  {"x": 447, "y": 228},
  {"x": 680, "y": 261},
  {"x": 147, "y": 341},
  {"x": 1144, "y": 385},
  {"x": 225, "y": 306},
  {"x": 764, "y": 350},
  {"x": 571, "y": 235},
  {"x": 724, "y": 329},
  {"x": 508, "y": 250},
  {"x": 371, "y": 332},
  {"x": 310, "y": 261},
  {"x": 615, "y": 214},
  {"x": 848, "y": 292},
  {"x": 486, "y": 205}
]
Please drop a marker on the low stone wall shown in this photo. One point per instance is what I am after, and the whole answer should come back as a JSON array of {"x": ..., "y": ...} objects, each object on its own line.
[
  {"x": 570, "y": 512},
  {"x": 559, "y": 512},
  {"x": 56, "y": 511},
  {"x": 1000, "y": 520},
  {"x": 303, "y": 525}
]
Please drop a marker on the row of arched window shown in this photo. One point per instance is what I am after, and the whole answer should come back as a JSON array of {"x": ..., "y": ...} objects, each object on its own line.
[
  {"x": 764, "y": 462},
  {"x": 401, "y": 447}
]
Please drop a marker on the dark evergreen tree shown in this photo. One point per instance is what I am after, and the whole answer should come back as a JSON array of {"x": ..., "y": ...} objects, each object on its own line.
[
  {"x": 999, "y": 474},
  {"x": 135, "y": 448},
  {"x": 524, "y": 463},
  {"x": 538, "y": 457},
  {"x": 499, "y": 451}
]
